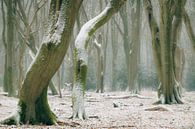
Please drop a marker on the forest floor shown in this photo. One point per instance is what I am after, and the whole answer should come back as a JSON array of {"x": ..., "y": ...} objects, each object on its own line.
[{"x": 115, "y": 110}]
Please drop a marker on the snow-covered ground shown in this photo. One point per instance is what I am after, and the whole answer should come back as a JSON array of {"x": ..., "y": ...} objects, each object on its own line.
[{"x": 115, "y": 110}]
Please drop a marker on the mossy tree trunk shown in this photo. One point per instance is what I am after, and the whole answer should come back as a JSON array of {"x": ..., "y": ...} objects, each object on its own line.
[
  {"x": 33, "y": 102},
  {"x": 81, "y": 57}
]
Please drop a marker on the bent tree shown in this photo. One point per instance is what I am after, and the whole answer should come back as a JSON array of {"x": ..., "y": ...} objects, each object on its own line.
[
  {"x": 81, "y": 57},
  {"x": 33, "y": 104}
]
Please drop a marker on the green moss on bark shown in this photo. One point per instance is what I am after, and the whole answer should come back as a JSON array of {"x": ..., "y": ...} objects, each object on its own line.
[{"x": 43, "y": 112}]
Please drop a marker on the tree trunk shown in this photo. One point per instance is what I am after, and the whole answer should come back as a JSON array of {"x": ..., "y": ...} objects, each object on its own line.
[
  {"x": 33, "y": 102},
  {"x": 81, "y": 56},
  {"x": 135, "y": 46},
  {"x": 178, "y": 54},
  {"x": 5, "y": 88},
  {"x": 189, "y": 28},
  {"x": 126, "y": 40},
  {"x": 100, "y": 71},
  {"x": 10, "y": 50},
  {"x": 154, "y": 29},
  {"x": 170, "y": 90}
]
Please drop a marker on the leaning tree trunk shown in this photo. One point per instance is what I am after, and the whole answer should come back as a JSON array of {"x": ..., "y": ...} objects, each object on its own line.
[
  {"x": 81, "y": 56},
  {"x": 170, "y": 90},
  {"x": 33, "y": 102}
]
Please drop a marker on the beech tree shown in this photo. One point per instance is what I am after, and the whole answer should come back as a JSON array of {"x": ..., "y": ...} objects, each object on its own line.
[
  {"x": 167, "y": 56},
  {"x": 33, "y": 104},
  {"x": 81, "y": 57}
]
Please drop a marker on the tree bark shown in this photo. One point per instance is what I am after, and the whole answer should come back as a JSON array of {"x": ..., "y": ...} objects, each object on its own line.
[{"x": 81, "y": 56}]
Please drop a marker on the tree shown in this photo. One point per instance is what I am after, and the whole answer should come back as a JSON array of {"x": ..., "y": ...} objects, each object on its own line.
[
  {"x": 9, "y": 47},
  {"x": 164, "y": 42},
  {"x": 134, "y": 52},
  {"x": 33, "y": 104},
  {"x": 100, "y": 71},
  {"x": 81, "y": 56}
]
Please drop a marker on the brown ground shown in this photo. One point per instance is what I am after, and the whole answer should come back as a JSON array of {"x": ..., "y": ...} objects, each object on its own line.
[{"x": 115, "y": 110}]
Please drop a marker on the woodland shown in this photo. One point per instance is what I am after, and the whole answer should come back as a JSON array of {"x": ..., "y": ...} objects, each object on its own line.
[{"x": 97, "y": 64}]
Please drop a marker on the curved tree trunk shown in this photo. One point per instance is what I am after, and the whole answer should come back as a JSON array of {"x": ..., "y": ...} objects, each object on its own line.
[
  {"x": 81, "y": 56},
  {"x": 33, "y": 103}
]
